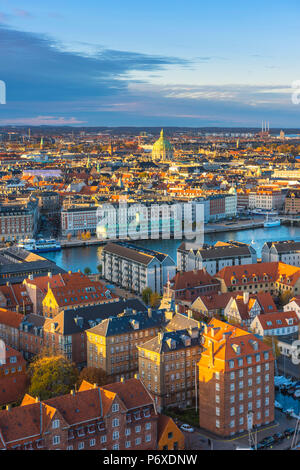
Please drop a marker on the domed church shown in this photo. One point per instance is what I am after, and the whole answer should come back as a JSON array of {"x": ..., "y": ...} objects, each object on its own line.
[{"x": 162, "y": 149}]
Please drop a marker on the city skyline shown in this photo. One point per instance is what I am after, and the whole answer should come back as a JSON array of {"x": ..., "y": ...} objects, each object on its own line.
[{"x": 173, "y": 64}]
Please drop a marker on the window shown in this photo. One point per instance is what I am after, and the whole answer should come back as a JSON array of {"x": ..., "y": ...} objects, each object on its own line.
[
  {"x": 103, "y": 439},
  {"x": 115, "y": 447},
  {"x": 138, "y": 429},
  {"x": 127, "y": 444},
  {"x": 231, "y": 364},
  {"x": 232, "y": 411},
  {"x": 56, "y": 440},
  {"x": 148, "y": 437},
  {"x": 138, "y": 441},
  {"x": 217, "y": 423},
  {"x": 115, "y": 407},
  {"x": 148, "y": 426},
  {"x": 115, "y": 422},
  {"x": 81, "y": 445},
  {"x": 55, "y": 424},
  {"x": 92, "y": 442},
  {"x": 115, "y": 435}
]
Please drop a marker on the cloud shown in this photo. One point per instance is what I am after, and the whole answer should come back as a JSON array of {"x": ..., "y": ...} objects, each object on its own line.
[
  {"x": 41, "y": 121},
  {"x": 49, "y": 85}
]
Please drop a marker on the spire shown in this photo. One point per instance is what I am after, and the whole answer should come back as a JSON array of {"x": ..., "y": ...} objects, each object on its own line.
[{"x": 162, "y": 133}]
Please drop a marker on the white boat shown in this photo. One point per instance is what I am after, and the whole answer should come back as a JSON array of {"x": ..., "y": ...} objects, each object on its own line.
[
  {"x": 39, "y": 246},
  {"x": 297, "y": 393},
  {"x": 274, "y": 222},
  {"x": 289, "y": 411}
]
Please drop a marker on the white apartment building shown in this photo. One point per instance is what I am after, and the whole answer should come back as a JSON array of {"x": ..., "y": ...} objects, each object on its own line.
[
  {"x": 214, "y": 258},
  {"x": 287, "y": 251},
  {"x": 265, "y": 199},
  {"x": 135, "y": 268}
]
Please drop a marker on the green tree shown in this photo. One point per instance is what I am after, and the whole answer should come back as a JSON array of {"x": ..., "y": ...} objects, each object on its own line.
[
  {"x": 94, "y": 375},
  {"x": 154, "y": 299},
  {"x": 51, "y": 375},
  {"x": 99, "y": 268},
  {"x": 87, "y": 271},
  {"x": 146, "y": 293},
  {"x": 272, "y": 341}
]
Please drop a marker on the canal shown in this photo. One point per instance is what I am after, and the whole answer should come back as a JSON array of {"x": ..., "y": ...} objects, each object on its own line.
[{"x": 79, "y": 258}]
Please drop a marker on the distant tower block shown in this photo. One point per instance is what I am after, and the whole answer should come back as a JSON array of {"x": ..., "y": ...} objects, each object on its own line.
[
  {"x": 42, "y": 143},
  {"x": 282, "y": 135}
]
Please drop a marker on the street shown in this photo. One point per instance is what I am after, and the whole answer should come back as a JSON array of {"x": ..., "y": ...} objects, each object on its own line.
[{"x": 198, "y": 440}]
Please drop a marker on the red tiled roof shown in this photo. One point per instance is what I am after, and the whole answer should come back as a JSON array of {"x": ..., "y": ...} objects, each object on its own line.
[
  {"x": 10, "y": 318},
  {"x": 270, "y": 321}
]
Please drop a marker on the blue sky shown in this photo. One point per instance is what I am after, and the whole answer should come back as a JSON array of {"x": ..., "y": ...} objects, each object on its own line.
[{"x": 192, "y": 63}]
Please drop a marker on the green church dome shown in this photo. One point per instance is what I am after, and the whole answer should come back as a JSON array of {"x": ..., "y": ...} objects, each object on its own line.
[{"x": 162, "y": 149}]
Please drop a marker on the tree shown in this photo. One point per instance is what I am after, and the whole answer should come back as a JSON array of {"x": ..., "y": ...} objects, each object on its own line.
[
  {"x": 94, "y": 375},
  {"x": 272, "y": 341},
  {"x": 69, "y": 236},
  {"x": 87, "y": 271},
  {"x": 146, "y": 293},
  {"x": 154, "y": 299},
  {"x": 51, "y": 375},
  {"x": 99, "y": 268}
]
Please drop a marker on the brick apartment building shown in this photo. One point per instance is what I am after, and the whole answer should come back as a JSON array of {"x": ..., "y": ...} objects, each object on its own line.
[
  {"x": 112, "y": 344},
  {"x": 167, "y": 366},
  {"x": 65, "y": 333},
  {"x": 13, "y": 378},
  {"x": 119, "y": 416},
  {"x": 236, "y": 376}
]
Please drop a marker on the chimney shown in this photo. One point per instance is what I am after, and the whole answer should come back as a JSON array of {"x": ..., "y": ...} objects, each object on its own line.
[
  {"x": 50, "y": 274},
  {"x": 122, "y": 380},
  {"x": 95, "y": 385},
  {"x": 37, "y": 399},
  {"x": 190, "y": 313},
  {"x": 8, "y": 407},
  {"x": 246, "y": 297},
  {"x": 72, "y": 392},
  {"x": 8, "y": 283},
  {"x": 211, "y": 344},
  {"x": 136, "y": 376}
]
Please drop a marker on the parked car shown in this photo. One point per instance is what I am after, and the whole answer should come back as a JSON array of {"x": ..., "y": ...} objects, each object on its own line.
[
  {"x": 278, "y": 436},
  {"x": 268, "y": 441},
  {"x": 187, "y": 428},
  {"x": 288, "y": 432}
]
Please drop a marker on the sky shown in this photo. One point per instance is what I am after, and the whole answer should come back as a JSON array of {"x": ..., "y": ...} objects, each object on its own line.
[{"x": 159, "y": 63}]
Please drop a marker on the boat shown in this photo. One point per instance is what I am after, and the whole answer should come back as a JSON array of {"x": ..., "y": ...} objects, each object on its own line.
[
  {"x": 278, "y": 405},
  {"x": 39, "y": 246},
  {"x": 297, "y": 393},
  {"x": 274, "y": 222}
]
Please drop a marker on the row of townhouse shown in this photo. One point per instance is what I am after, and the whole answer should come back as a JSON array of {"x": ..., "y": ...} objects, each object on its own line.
[
  {"x": 118, "y": 221},
  {"x": 64, "y": 333},
  {"x": 214, "y": 258},
  {"x": 50, "y": 294},
  {"x": 118, "y": 416},
  {"x": 272, "y": 277}
]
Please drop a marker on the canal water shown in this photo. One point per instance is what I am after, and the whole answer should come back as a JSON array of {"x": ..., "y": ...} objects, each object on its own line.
[{"x": 79, "y": 258}]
